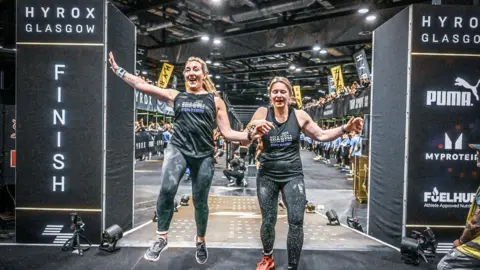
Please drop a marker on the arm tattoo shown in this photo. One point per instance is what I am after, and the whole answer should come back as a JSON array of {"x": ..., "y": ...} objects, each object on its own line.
[
  {"x": 132, "y": 80},
  {"x": 472, "y": 229}
]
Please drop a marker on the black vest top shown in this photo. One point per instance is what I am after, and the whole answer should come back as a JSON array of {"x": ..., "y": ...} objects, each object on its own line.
[
  {"x": 195, "y": 117},
  {"x": 280, "y": 159}
]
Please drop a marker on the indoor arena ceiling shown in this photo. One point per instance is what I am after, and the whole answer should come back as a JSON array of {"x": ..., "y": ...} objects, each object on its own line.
[{"x": 259, "y": 39}]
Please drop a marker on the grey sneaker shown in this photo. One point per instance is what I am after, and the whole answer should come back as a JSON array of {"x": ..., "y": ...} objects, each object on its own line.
[
  {"x": 202, "y": 253},
  {"x": 153, "y": 253}
]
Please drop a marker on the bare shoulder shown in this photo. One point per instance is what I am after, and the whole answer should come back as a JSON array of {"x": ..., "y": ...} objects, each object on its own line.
[
  {"x": 260, "y": 114},
  {"x": 219, "y": 103},
  {"x": 302, "y": 117}
]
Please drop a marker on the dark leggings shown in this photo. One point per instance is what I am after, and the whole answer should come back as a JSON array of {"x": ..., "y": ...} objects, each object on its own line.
[
  {"x": 201, "y": 173},
  {"x": 294, "y": 198}
]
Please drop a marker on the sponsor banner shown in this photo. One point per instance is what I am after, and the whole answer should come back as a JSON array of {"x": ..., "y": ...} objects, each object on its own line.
[
  {"x": 342, "y": 107},
  {"x": 454, "y": 29},
  {"x": 444, "y": 118},
  {"x": 361, "y": 64},
  {"x": 338, "y": 78},
  {"x": 148, "y": 103},
  {"x": 165, "y": 74},
  {"x": 331, "y": 85},
  {"x": 298, "y": 95}
]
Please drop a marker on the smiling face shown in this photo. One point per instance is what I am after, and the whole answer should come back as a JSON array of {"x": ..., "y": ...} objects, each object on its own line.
[
  {"x": 279, "y": 94},
  {"x": 194, "y": 75}
]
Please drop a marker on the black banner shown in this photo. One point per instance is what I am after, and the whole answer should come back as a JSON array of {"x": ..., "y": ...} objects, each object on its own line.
[
  {"x": 444, "y": 119},
  {"x": 60, "y": 21},
  {"x": 148, "y": 103},
  {"x": 331, "y": 85},
  {"x": 341, "y": 107},
  {"x": 60, "y": 89},
  {"x": 148, "y": 142},
  {"x": 361, "y": 64},
  {"x": 436, "y": 29}
]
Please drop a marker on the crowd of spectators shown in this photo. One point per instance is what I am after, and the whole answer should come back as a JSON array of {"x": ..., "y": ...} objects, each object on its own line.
[{"x": 353, "y": 90}]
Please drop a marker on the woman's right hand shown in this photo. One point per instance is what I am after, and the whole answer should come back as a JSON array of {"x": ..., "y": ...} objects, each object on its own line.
[{"x": 111, "y": 59}]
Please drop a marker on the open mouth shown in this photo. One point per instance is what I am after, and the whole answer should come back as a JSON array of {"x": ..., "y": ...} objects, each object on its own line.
[{"x": 192, "y": 82}]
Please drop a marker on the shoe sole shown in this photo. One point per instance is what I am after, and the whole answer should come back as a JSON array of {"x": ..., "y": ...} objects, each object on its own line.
[
  {"x": 206, "y": 251},
  {"x": 158, "y": 257}
]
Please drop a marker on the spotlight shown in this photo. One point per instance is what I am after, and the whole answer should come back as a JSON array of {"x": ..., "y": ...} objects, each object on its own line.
[
  {"x": 205, "y": 38},
  {"x": 332, "y": 218},
  {"x": 208, "y": 61},
  {"x": 323, "y": 51},
  {"x": 316, "y": 48},
  {"x": 217, "y": 77},
  {"x": 184, "y": 200},
  {"x": 217, "y": 41},
  {"x": 292, "y": 67},
  {"x": 280, "y": 44},
  {"x": 298, "y": 69},
  {"x": 216, "y": 64},
  {"x": 363, "y": 10},
  {"x": 371, "y": 18},
  {"x": 110, "y": 238}
]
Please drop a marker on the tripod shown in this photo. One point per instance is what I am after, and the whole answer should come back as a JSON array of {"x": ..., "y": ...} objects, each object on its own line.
[{"x": 74, "y": 242}]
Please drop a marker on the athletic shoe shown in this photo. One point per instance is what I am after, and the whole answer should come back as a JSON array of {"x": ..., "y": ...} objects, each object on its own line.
[
  {"x": 202, "y": 253},
  {"x": 266, "y": 263},
  {"x": 153, "y": 253},
  {"x": 231, "y": 183}
]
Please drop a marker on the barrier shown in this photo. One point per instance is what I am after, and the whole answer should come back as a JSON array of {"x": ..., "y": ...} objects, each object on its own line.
[
  {"x": 360, "y": 178},
  {"x": 343, "y": 106},
  {"x": 147, "y": 144}
]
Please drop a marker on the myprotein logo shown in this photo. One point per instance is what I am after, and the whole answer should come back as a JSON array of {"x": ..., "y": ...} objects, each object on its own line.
[
  {"x": 455, "y": 98},
  {"x": 436, "y": 199},
  {"x": 452, "y": 150}
]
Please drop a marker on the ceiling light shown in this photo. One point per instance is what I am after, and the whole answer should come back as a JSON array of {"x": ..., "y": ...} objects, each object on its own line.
[
  {"x": 217, "y": 77},
  {"x": 363, "y": 10},
  {"x": 218, "y": 85},
  {"x": 210, "y": 75},
  {"x": 205, "y": 38},
  {"x": 292, "y": 67},
  {"x": 217, "y": 41},
  {"x": 365, "y": 33},
  {"x": 371, "y": 18},
  {"x": 144, "y": 72},
  {"x": 323, "y": 51},
  {"x": 208, "y": 61},
  {"x": 316, "y": 48},
  {"x": 298, "y": 69},
  {"x": 216, "y": 1},
  {"x": 216, "y": 64},
  {"x": 280, "y": 44}
]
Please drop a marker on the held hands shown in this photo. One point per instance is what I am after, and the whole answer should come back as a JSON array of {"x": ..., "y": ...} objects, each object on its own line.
[
  {"x": 355, "y": 124},
  {"x": 456, "y": 243},
  {"x": 262, "y": 127}
]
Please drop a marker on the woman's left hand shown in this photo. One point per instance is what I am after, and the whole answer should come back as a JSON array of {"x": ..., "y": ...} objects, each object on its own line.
[{"x": 355, "y": 124}]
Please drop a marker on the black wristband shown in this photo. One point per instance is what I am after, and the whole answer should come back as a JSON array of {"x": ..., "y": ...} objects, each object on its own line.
[
  {"x": 343, "y": 129},
  {"x": 249, "y": 136}
]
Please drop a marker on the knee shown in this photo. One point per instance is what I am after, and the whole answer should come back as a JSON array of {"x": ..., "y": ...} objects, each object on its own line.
[{"x": 296, "y": 221}]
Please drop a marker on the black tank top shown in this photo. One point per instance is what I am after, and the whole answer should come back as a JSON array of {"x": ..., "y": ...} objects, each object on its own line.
[
  {"x": 194, "y": 124},
  {"x": 280, "y": 159}
]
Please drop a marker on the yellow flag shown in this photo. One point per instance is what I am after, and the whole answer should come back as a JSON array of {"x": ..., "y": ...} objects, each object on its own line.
[
  {"x": 164, "y": 77},
  {"x": 298, "y": 95},
  {"x": 338, "y": 78}
]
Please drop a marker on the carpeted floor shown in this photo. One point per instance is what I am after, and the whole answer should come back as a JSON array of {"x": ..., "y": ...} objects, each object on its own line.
[{"x": 20, "y": 257}]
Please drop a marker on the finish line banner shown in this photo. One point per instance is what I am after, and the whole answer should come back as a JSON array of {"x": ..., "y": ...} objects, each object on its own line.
[{"x": 444, "y": 119}]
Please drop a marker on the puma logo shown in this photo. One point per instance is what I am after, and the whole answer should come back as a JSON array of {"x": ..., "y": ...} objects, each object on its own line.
[{"x": 461, "y": 82}]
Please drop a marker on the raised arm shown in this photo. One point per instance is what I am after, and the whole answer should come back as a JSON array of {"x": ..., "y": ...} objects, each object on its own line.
[
  {"x": 167, "y": 95},
  {"x": 230, "y": 134},
  {"x": 314, "y": 131}
]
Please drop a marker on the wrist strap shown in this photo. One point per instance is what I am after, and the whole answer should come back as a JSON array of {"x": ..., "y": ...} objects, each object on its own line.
[
  {"x": 343, "y": 129},
  {"x": 249, "y": 136},
  {"x": 120, "y": 72}
]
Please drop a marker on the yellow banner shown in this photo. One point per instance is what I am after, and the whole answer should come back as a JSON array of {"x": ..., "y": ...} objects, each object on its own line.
[
  {"x": 164, "y": 77},
  {"x": 338, "y": 78},
  {"x": 298, "y": 95}
]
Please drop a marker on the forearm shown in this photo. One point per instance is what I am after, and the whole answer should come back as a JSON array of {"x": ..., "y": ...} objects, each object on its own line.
[
  {"x": 472, "y": 229},
  {"x": 328, "y": 135},
  {"x": 233, "y": 135},
  {"x": 142, "y": 86}
]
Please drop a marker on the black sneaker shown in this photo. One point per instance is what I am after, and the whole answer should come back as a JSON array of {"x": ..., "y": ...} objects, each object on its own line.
[
  {"x": 153, "y": 253},
  {"x": 202, "y": 253}
]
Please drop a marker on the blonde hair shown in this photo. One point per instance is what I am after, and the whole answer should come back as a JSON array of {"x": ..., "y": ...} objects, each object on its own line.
[
  {"x": 283, "y": 80},
  {"x": 207, "y": 82}
]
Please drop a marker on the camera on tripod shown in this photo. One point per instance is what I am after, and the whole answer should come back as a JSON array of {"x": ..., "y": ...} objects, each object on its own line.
[
  {"x": 421, "y": 245},
  {"x": 77, "y": 223}
]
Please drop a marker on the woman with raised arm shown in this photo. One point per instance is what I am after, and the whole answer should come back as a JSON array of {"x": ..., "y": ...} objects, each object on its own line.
[
  {"x": 191, "y": 145},
  {"x": 281, "y": 168}
]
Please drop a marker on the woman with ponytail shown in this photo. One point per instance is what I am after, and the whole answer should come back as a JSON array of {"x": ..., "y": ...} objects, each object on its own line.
[{"x": 191, "y": 146}]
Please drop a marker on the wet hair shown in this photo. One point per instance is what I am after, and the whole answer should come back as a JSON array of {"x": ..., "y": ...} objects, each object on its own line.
[
  {"x": 207, "y": 82},
  {"x": 283, "y": 80}
]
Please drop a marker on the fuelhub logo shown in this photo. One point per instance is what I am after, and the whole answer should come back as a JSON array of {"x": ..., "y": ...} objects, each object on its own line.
[
  {"x": 436, "y": 199},
  {"x": 452, "y": 150},
  {"x": 455, "y": 98}
]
